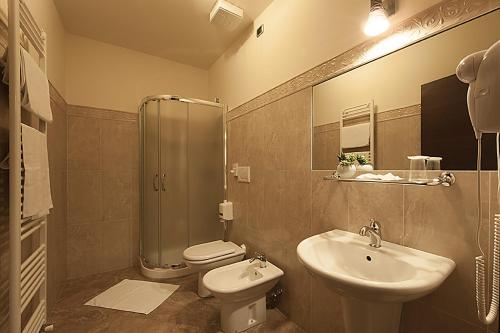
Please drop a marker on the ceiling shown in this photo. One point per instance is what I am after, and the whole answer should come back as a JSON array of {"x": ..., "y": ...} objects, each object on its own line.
[{"x": 178, "y": 30}]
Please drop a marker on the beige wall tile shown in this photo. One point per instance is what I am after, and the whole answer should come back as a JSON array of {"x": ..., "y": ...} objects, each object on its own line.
[
  {"x": 297, "y": 206},
  {"x": 379, "y": 146},
  {"x": 257, "y": 150},
  {"x": 103, "y": 193},
  {"x": 117, "y": 195},
  {"x": 443, "y": 221},
  {"x": 238, "y": 195},
  {"x": 329, "y": 204},
  {"x": 57, "y": 139},
  {"x": 326, "y": 147},
  {"x": 238, "y": 141},
  {"x": 396, "y": 144},
  {"x": 83, "y": 248},
  {"x": 118, "y": 145},
  {"x": 319, "y": 146},
  {"x": 57, "y": 142},
  {"x": 296, "y": 299},
  {"x": 286, "y": 202},
  {"x": 296, "y": 111},
  {"x": 333, "y": 149},
  {"x": 414, "y": 135},
  {"x": 83, "y": 143},
  {"x": 384, "y": 203},
  {"x": 273, "y": 136},
  {"x": 418, "y": 317},
  {"x": 114, "y": 240},
  {"x": 85, "y": 199}
]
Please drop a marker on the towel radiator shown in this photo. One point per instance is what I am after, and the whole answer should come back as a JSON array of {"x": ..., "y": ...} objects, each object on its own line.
[
  {"x": 362, "y": 113},
  {"x": 28, "y": 272}
]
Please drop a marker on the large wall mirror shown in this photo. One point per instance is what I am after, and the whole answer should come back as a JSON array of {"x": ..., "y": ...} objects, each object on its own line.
[{"x": 416, "y": 103}]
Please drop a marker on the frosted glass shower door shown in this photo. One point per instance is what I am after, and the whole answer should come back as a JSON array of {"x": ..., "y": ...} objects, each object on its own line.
[
  {"x": 206, "y": 172},
  {"x": 174, "y": 226},
  {"x": 150, "y": 183},
  {"x": 182, "y": 177}
]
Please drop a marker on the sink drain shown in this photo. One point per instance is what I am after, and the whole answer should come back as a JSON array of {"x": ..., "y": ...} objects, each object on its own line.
[{"x": 368, "y": 258}]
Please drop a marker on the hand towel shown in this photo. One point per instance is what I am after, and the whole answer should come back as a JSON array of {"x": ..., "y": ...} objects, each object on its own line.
[
  {"x": 37, "y": 199},
  {"x": 5, "y": 76},
  {"x": 372, "y": 176},
  {"x": 35, "y": 95},
  {"x": 356, "y": 136},
  {"x": 4, "y": 9}
]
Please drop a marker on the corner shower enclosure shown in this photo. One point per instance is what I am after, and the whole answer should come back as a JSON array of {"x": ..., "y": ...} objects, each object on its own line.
[{"x": 182, "y": 176}]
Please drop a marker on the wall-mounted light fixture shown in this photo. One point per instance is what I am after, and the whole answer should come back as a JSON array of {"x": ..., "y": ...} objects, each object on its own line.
[{"x": 377, "y": 18}]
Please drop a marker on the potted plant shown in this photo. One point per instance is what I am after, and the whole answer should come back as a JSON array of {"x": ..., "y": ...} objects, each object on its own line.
[
  {"x": 363, "y": 164},
  {"x": 347, "y": 165}
]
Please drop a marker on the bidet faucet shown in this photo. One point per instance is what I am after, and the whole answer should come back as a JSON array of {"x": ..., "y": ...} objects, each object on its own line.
[
  {"x": 261, "y": 258},
  {"x": 374, "y": 232}
]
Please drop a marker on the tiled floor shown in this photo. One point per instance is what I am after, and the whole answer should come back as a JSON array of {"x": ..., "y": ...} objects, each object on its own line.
[{"x": 184, "y": 311}]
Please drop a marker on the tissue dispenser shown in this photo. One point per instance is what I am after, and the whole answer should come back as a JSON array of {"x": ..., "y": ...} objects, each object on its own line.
[{"x": 226, "y": 211}]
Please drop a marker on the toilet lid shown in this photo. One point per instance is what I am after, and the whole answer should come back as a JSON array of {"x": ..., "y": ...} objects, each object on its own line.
[{"x": 209, "y": 250}]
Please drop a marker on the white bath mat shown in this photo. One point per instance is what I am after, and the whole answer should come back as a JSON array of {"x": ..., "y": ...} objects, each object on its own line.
[{"x": 134, "y": 296}]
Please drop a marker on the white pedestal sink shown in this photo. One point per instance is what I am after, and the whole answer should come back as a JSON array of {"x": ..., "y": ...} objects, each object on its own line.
[{"x": 373, "y": 282}]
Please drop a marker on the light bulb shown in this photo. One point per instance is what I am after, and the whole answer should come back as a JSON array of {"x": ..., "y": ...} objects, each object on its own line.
[{"x": 377, "y": 22}]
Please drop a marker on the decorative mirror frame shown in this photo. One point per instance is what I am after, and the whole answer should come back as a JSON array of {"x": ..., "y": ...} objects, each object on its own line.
[{"x": 436, "y": 19}]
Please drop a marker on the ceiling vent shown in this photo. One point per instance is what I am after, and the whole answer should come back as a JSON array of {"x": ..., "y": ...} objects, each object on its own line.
[{"x": 226, "y": 15}]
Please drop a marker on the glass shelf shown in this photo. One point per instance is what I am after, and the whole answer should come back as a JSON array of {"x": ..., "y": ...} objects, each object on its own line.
[{"x": 445, "y": 179}]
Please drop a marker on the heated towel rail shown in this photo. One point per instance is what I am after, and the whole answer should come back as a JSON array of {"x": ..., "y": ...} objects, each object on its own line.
[
  {"x": 363, "y": 113},
  {"x": 28, "y": 269}
]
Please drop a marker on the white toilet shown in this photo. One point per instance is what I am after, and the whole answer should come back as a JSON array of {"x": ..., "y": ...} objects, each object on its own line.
[
  {"x": 203, "y": 257},
  {"x": 242, "y": 288}
]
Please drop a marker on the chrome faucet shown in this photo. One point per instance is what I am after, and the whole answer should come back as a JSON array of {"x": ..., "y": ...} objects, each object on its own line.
[
  {"x": 261, "y": 258},
  {"x": 374, "y": 232}
]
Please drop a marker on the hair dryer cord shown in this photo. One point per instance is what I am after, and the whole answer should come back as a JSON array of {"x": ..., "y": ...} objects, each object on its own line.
[{"x": 481, "y": 271}]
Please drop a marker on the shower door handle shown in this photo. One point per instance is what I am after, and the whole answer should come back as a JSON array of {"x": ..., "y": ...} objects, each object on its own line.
[
  {"x": 163, "y": 186},
  {"x": 155, "y": 183}
]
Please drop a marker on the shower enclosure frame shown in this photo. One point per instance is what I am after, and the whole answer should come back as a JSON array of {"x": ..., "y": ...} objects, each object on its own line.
[{"x": 172, "y": 272}]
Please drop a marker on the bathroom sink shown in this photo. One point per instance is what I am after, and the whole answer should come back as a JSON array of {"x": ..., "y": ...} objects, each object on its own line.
[
  {"x": 389, "y": 273},
  {"x": 372, "y": 279}
]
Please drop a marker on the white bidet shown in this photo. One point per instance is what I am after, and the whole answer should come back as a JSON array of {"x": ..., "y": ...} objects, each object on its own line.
[{"x": 242, "y": 288}]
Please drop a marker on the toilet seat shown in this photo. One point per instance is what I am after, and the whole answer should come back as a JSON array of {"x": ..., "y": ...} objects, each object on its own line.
[
  {"x": 213, "y": 251},
  {"x": 204, "y": 257}
]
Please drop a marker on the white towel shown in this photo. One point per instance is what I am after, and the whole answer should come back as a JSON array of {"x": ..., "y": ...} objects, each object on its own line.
[
  {"x": 35, "y": 95},
  {"x": 356, "y": 136},
  {"x": 4, "y": 9},
  {"x": 37, "y": 199},
  {"x": 371, "y": 176}
]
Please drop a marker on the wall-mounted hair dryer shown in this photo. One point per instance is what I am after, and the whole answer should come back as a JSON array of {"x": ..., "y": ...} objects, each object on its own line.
[{"x": 481, "y": 70}]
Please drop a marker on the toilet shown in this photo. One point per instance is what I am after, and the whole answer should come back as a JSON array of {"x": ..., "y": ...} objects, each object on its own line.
[
  {"x": 241, "y": 288},
  {"x": 203, "y": 257}
]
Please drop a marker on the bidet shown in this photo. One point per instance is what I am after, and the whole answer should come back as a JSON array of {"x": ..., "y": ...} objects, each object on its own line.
[{"x": 241, "y": 288}]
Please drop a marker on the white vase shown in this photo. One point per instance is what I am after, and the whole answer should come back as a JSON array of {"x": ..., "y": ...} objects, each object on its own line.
[
  {"x": 346, "y": 171},
  {"x": 365, "y": 168}
]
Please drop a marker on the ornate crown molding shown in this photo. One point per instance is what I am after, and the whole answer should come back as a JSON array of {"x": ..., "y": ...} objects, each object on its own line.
[{"x": 443, "y": 16}]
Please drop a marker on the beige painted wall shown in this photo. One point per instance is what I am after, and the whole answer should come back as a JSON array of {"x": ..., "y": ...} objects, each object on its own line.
[
  {"x": 298, "y": 36},
  {"x": 394, "y": 81},
  {"x": 46, "y": 14},
  {"x": 110, "y": 77}
]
